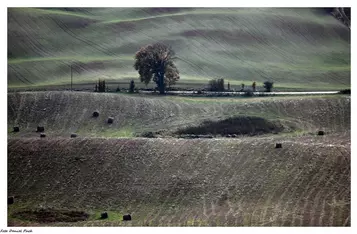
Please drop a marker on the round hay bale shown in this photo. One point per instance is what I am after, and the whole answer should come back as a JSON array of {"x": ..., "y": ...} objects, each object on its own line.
[
  {"x": 42, "y": 135},
  {"x": 104, "y": 215},
  {"x": 278, "y": 145},
  {"x": 320, "y": 133},
  {"x": 16, "y": 129},
  {"x": 40, "y": 129},
  {"x": 73, "y": 135},
  {"x": 95, "y": 114},
  {"x": 110, "y": 120},
  {"x": 127, "y": 217},
  {"x": 10, "y": 200}
]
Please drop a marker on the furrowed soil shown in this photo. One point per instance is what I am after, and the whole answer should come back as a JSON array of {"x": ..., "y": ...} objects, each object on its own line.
[{"x": 242, "y": 181}]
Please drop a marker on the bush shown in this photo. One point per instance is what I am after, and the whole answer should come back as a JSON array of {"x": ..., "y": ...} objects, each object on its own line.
[
  {"x": 100, "y": 87},
  {"x": 216, "y": 85},
  {"x": 268, "y": 86},
  {"x": 132, "y": 86},
  {"x": 118, "y": 89},
  {"x": 345, "y": 91}
]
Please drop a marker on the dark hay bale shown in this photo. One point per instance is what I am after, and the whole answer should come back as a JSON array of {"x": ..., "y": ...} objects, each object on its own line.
[
  {"x": 278, "y": 145},
  {"x": 40, "y": 129},
  {"x": 104, "y": 215},
  {"x": 95, "y": 114},
  {"x": 73, "y": 135},
  {"x": 126, "y": 217},
  {"x": 16, "y": 129},
  {"x": 110, "y": 120},
  {"x": 320, "y": 133},
  {"x": 42, "y": 135},
  {"x": 10, "y": 200}
]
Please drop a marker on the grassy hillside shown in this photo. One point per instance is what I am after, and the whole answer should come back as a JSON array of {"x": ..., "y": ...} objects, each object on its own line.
[
  {"x": 62, "y": 113},
  {"x": 295, "y": 48},
  {"x": 171, "y": 182}
]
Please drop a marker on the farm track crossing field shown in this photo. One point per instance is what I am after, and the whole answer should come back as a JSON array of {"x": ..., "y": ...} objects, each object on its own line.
[{"x": 304, "y": 49}]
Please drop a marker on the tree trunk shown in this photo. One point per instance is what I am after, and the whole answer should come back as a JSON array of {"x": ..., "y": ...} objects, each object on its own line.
[{"x": 161, "y": 83}]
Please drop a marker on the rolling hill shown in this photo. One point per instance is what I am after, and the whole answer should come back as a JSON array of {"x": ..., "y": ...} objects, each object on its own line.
[{"x": 296, "y": 48}]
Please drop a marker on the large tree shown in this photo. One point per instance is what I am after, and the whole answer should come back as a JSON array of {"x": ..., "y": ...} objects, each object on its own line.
[{"x": 155, "y": 62}]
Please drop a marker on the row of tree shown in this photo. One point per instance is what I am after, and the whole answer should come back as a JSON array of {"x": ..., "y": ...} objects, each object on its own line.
[{"x": 155, "y": 62}]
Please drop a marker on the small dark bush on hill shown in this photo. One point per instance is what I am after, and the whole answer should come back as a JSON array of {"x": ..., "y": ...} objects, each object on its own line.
[
  {"x": 100, "y": 87},
  {"x": 345, "y": 91},
  {"x": 216, "y": 85},
  {"x": 132, "y": 86},
  {"x": 268, "y": 86}
]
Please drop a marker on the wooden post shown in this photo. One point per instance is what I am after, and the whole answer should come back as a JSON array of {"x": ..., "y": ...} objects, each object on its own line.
[{"x": 71, "y": 78}]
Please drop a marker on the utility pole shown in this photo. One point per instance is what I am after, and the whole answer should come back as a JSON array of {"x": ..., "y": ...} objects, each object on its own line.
[{"x": 71, "y": 78}]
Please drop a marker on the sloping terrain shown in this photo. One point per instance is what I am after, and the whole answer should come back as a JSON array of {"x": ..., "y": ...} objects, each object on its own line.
[
  {"x": 162, "y": 182},
  {"x": 243, "y": 181},
  {"x": 295, "y": 48},
  {"x": 62, "y": 113}
]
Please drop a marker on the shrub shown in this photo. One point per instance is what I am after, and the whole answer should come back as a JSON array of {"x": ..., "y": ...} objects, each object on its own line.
[
  {"x": 345, "y": 91},
  {"x": 132, "y": 86},
  {"x": 100, "y": 87},
  {"x": 148, "y": 134},
  {"x": 268, "y": 86},
  {"x": 118, "y": 89},
  {"x": 216, "y": 85}
]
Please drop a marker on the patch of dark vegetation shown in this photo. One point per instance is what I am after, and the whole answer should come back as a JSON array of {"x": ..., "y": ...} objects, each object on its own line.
[
  {"x": 216, "y": 85},
  {"x": 100, "y": 87},
  {"x": 345, "y": 91},
  {"x": 51, "y": 215},
  {"x": 193, "y": 136},
  {"x": 241, "y": 125},
  {"x": 147, "y": 134}
]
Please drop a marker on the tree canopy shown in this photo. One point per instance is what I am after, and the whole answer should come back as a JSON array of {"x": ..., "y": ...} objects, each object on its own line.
[{"x": 155, "y": 62}]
